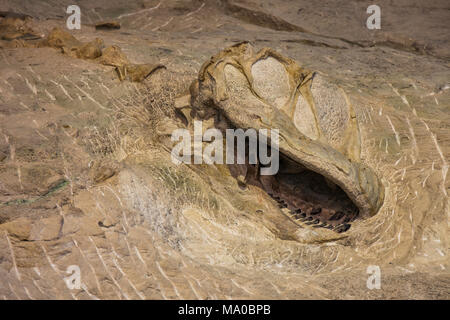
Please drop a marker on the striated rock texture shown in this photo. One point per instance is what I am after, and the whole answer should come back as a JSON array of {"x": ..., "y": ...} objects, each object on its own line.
[{"x": 87, "y": 180}]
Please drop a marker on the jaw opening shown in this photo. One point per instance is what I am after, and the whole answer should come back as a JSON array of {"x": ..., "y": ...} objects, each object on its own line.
[{"x": 303, "y": 195}]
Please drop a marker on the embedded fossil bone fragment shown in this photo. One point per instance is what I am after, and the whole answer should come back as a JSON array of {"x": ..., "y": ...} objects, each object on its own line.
[
  {"x": 319, "y": 169},
  {"x": 95, "y": 50},
  {"x": 14, "y": 26}
]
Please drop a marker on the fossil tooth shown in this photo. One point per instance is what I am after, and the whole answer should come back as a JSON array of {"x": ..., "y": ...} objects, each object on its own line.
[
  {"x": 316, "y": 211},
  {"x": 321, "y": 225},
  {"x": 299, "y": 215},
  {"x": 347, "y": 219},
  {"x": 338, "y": 215},
  {"x": 342, "y": 228}
]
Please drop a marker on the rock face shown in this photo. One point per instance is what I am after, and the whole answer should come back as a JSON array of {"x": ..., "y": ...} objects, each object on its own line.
[{"x": 87, "y": 181}]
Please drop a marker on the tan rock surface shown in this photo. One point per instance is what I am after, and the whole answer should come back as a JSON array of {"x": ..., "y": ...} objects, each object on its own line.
[{"x": 86, "y": 176}]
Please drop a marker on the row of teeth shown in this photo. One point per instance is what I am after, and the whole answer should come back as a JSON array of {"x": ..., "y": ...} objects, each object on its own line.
[{"x": 309, "y": 219}]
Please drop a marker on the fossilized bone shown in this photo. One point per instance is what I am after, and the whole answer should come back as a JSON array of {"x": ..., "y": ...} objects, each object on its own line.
[{"x": 266, "y": 90}]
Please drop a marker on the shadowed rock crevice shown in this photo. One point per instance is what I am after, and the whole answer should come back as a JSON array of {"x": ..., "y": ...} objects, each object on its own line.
[{"x": 256, "y": 17}]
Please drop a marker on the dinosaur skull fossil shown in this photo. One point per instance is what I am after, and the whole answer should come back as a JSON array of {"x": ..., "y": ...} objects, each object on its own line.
[{"x": 321, "y": 180}]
